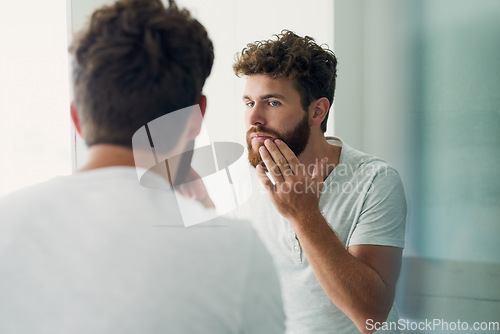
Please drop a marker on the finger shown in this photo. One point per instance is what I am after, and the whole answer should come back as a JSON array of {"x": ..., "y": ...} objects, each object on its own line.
[
  {"x": 271, "y": 166},
  {"x": 207, "y": 203},
  {"x": 319, "y": 170},
  {"x": 315, "y": 172},
  {"x": 181, "y": 189},
  {"x": 324, "y": 169},
  {"x": 279, "y": 159},
  {"x": 291, "y": 158},
  {"x": 318, "y": 175},
  {"x": 261, "y": 173}
]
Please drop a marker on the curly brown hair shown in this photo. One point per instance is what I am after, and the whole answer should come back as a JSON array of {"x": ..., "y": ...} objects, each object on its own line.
[
  {"x": 313, "y": 68},
  {"x": 136, "y": 61}
]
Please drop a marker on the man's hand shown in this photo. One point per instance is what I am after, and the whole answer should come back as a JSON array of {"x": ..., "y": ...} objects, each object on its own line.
[
  {"x": 194, "y": 188},
  {"x": 295, "y": 194}
]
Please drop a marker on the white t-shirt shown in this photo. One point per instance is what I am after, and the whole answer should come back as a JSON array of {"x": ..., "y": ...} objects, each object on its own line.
[
  {"x": 96, "y": 252},
  {"x": 364, "y": 202}
]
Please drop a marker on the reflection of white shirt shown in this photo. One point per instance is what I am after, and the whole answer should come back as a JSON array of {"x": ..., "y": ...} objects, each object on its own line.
[
  {"x": 363, "y": 201},
  {"x": 96, "y": 252}
]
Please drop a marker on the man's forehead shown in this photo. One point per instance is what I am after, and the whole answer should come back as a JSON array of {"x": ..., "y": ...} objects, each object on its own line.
[{"x": 263, "y": 86}]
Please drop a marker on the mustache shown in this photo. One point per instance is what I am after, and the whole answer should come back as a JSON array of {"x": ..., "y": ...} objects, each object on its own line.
[{"x": 261, "y": 129}]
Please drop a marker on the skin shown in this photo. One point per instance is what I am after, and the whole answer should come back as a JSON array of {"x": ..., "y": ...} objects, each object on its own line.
[{"x": 360, "y": 280}]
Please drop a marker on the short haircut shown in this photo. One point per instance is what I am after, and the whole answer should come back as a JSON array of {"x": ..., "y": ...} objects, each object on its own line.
[
  {"x": 311, "y": 67},
  {"x": 137, "y": 61}
]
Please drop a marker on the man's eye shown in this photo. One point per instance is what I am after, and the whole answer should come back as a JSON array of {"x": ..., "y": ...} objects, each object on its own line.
[
  {"x": 274, "y": 103},
  {"x": 250, "y": 104}
]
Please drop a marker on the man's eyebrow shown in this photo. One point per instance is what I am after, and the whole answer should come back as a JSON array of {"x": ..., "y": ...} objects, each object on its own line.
[
  {"x": 266, "y": 97},
  {"x": 270, "y": 96}
]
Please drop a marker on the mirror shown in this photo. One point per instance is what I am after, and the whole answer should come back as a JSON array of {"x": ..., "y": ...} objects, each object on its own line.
[{"x": 231, "y": 25}]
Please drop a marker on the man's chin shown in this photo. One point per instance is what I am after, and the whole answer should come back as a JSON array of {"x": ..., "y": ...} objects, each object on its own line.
[{"x": 254, "y": 162}]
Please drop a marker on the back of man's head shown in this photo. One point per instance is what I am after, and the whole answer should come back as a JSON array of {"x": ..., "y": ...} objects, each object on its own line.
[{"x": 134, "y": 62}]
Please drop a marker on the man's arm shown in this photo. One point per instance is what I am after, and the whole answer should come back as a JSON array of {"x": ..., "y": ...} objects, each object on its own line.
[{"x": 361, "y": 281}]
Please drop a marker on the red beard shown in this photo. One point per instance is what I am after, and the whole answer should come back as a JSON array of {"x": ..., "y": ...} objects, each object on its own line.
[{"x": 296, "y": 140}]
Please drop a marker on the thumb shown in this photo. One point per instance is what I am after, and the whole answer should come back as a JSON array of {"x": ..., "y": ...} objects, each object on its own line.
[{"x": 319, "y": 170}]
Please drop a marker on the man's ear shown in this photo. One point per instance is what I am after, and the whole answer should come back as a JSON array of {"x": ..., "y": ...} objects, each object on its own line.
[
  {"x": 318, "y": 110},
  {"x": 202, "y": 102},
  {"x": 75, "y": 118},
  {"x": 196, "y": 120}
]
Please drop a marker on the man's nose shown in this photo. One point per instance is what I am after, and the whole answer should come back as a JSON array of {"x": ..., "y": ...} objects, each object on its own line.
[{"x": 256, "y": 115}]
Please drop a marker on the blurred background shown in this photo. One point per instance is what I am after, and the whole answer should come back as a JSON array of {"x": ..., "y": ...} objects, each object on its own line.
[{"x": 418, "y": 85}]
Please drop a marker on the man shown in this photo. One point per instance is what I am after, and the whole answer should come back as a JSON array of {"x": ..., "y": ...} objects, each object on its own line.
[
  {"x": 334, "y": 218},
  {"x": 96, "y": 252}
]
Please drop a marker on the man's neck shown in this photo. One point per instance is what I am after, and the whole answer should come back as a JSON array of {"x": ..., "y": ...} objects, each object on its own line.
[
  {"x": 107, "y": 155},
  {"x": 318, "y": 148}
]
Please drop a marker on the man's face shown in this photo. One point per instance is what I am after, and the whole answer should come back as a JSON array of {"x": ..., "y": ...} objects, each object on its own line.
[{"x": 273, "y": 110}]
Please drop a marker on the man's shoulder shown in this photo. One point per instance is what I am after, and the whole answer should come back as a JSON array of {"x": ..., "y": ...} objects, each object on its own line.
[
  {"x": 352, "y": 155},
  {"x": 33, "y": 193},
  {"x": 357, "y": 161}
]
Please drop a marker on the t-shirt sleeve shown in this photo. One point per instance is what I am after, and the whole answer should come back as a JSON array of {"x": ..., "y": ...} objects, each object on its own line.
[
  {"x": 383, "y": 214},
  {"x": 262, "y": 305}
]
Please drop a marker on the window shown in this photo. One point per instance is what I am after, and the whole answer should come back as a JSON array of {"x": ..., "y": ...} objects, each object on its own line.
[{"x": 34, "y": 95}]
